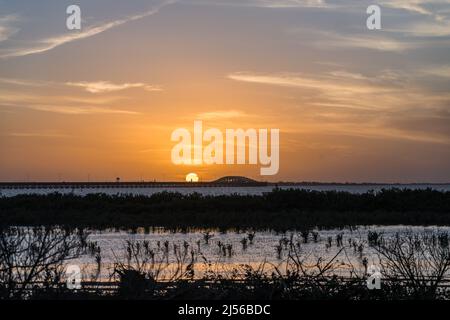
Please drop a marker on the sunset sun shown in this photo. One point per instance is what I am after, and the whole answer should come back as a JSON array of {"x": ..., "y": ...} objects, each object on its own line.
[{"x": 191, "y": 177}]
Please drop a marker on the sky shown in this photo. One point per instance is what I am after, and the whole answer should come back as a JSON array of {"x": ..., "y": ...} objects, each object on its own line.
[{"x": 352, "y": 104}]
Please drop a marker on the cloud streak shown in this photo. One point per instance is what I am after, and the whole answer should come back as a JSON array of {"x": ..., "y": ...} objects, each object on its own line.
[
  {"x": 385, "y": 102},
  {"x": 417, "y": 6},
  {"x": 48, "y": 44},
  {"x": 331, "y": 39},
  {"x": 6, "y": 28},
  {"x": 36, "y": 135},
  {"x": 59, "y": 104},
  {"x": 441, "y": 71},
  {"x": 89, "y": 86},
  {"x": 228, "y": 114},
  {"x": 277, "y": 4},
  {"x": 107, "y": 86},
  {"x": 71, "y": 110},
  {"x": 289, "y": 3},
  {"x": 296, "y": 80}
]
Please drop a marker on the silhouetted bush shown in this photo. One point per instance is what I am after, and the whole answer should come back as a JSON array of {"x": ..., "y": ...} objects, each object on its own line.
[
  {"x": 33, "y": 259},
  {"x": 413, "y": 266}
]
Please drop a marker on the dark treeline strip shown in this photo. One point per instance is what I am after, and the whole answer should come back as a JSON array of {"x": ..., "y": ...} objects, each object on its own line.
[{"x": 279, "y": 210}]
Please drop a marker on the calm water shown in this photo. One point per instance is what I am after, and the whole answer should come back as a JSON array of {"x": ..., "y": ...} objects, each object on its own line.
[
  {"x": 263, "y": 249},
  {"x": 220, "y": 190}
]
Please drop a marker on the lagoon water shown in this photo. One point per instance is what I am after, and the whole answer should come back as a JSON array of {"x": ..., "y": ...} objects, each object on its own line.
[
  {"x": 262, "y": 250},
  {"x": 227, "y": 190}
]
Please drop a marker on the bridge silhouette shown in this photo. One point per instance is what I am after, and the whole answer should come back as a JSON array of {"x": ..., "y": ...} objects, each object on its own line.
[
  {"x": 236, "y": 180},
  {"x": 227, "y": 181}
]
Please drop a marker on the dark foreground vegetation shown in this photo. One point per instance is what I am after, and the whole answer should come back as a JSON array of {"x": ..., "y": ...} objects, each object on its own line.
[
  {"x": 279, "y": 210},
  {"x": 33, "y": 262}
]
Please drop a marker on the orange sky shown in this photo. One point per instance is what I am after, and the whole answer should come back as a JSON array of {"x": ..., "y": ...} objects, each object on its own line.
[{"x": 351, "y": 104}]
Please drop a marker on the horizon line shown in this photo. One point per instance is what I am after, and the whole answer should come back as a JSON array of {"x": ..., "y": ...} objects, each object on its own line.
[{"x": 155, "y": 181}]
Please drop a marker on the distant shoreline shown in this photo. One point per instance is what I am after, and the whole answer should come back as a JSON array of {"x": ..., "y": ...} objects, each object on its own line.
[{"x": 173, "y": 184}]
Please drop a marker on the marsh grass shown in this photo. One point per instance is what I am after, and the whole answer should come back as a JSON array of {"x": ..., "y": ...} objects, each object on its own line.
[{"x": 413, "y": 266}]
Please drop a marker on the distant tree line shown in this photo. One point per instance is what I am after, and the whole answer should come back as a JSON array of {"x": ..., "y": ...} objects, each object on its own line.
[{"x": 278, "y": 210}]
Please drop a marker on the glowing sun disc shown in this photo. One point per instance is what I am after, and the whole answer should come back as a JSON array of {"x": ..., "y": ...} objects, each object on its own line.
[{"x": 192, "y": 177}]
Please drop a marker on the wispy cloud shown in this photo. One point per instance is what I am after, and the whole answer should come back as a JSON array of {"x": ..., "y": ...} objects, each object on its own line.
[
  {"x": 65, "y": 103},
  {"x": 6, "y": 27},
  {"x": 388, "y": 133},
  {"x": 37, "y": 135},
  {"x": 107, "y": 86},
  {"x": 12, "y": 97},
  {"x": 371, "y": 104},
  {"x": 435, "y": 20},
  {"x": 429, "y": 29},
  {"x": 22, "y": 82},
  {"x": 441, "y": 71},
  {"x": 343, "y": 91},
  {"x": 424, "y": 7},
  {"x": 264, "y": 3},
  {"x": 227, "y": 114},
  {"x": 54, "y": 42},
  {"x": 327, "y": 39},
  {"x": 288, "y": 3},
  {"x": 416, "y": 6},
  {"x": 296, "y": 80},
  {"x": 367, "y": 42},
  {"x": 71, "y": 110},
  {"x": 92, "y": 87},
  {"x": 59, "y": 104}
]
